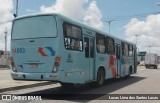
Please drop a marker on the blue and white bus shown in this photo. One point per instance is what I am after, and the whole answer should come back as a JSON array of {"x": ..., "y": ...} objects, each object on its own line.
[{"x": 52, "y": 47}]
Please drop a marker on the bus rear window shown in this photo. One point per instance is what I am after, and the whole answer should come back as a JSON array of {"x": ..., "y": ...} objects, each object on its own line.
[{"x": 34, "y": 27}]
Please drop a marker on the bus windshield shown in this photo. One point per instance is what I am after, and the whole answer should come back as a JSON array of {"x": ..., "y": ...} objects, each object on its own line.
[{"x": 34, "y": 27}]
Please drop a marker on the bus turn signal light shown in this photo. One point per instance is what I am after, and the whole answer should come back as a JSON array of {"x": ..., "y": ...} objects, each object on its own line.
[
  {"x": 12, "y": 62},
  {"x": 56, "y": 64},
  {"x": 57, "y": 59}
]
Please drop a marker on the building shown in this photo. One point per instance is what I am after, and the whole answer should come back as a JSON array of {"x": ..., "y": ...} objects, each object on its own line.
[
  {"x": 1, "y": 53},
  {"x": 158, "y": 59},
  {"x": 141, "y": 56},
  {"x": 4, "y": 58}
]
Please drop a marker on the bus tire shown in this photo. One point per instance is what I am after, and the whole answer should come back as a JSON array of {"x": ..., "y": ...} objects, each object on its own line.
[
  {"x": 100, "y": 77},
  {"x": 130, "y": 72}
]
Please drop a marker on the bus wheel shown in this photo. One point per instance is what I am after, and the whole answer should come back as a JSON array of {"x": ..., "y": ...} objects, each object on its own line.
[
  {"x": 129, "y": 74},
  {"x": 100, "y": 77}
]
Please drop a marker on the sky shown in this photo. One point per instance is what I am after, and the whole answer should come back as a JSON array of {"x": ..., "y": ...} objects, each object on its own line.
[{"x": 130, "y": 17}]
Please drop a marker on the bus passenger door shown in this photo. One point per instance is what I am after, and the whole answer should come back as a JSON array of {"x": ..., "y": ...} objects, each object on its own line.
[
  {"x": 89, "y": 56},
  {"x": 118, "y": 61}
]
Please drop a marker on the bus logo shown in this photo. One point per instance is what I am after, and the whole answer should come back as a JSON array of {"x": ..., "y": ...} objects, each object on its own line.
[
  {"x": 69, "y": 59},
  {"x": 40, "y": 50},
  {"x": 42, "y": 53}
]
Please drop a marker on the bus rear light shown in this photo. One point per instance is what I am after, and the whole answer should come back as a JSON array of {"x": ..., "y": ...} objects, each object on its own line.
[
  {"x": 56, "y": 63},
  {"x": 12, "y": 62},
  {"x": 57, "y": 59}
]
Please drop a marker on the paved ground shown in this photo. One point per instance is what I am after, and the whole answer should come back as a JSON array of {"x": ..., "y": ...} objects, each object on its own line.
[
  {"x": 146, "y": 81},
  {"x": 5, "y": 74},
  {"x": 7, "y": 83}
]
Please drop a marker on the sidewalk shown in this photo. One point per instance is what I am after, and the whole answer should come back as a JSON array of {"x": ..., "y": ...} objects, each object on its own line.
[
  {"x": 141, "y": 67},
  {"x": 7, "y": 83}
]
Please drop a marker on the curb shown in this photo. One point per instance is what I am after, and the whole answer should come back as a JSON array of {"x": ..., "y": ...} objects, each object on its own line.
[{"x": 26, "y": 86}]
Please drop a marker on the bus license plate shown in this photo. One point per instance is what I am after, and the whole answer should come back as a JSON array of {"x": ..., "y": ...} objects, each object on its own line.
[{"x": 33, "y": 65}]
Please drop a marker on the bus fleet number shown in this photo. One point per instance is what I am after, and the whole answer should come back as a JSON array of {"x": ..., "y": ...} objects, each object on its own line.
[{"x": 18, "y": 50}]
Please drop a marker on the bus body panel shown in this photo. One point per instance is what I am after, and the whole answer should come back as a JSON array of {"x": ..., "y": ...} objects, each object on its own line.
[
  {"x": 38, "y": 76},
  {"x": 74, "y": 69},
  {"x": 74, "y": 66},
  {"x": 34, "y": 55},
  {"x": 89, "y": 54}
]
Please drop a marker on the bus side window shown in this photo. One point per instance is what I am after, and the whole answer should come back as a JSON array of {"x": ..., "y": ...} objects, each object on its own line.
[
  {"x": 67, "y": 43},
  {"x": 100, "y": 44},
  {"x": 126, "y": 49},
  {"x": 110, "y": 45},
  {"x": 91, "y": 47},
  {"x": 72, "y": 37},
  {"x": 86, "y": 44},
  {"x": 130, "y": 49},
  {"x": 122, "y": 46}
]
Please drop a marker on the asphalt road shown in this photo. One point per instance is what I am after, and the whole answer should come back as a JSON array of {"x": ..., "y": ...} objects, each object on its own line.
[
  {"x": 5, "y": 75},
  {"x": 146, "y": 81}
]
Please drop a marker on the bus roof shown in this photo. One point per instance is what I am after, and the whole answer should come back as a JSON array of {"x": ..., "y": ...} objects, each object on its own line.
[{"x": 75, "y": 22}]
